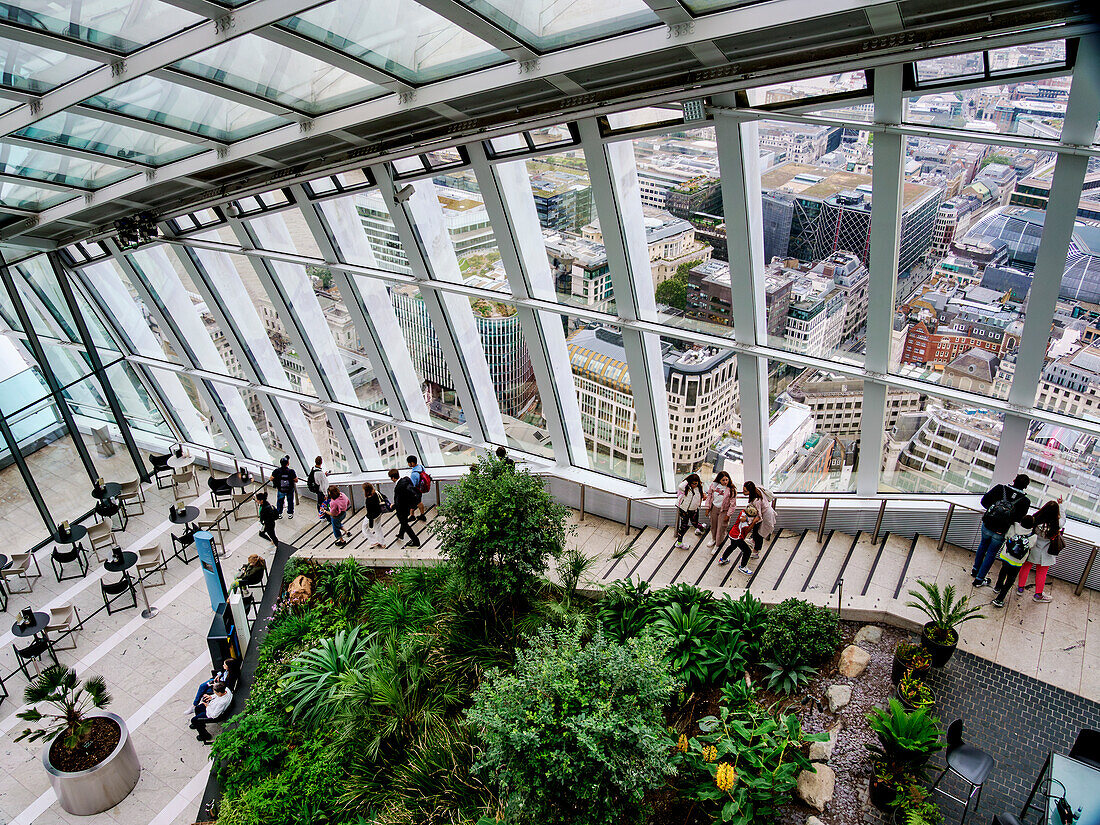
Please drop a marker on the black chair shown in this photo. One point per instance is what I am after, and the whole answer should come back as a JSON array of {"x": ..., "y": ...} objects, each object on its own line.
[
  {"x": 3, "y": 691},
  {"x": 220, "y": 491},
  {"x": 3, "y": 597},
  {"x": 161, "y": 471},
  {"x": 33, "y": 653},
  {"x": 112, "y": 591},
  {"x": 59, "y": 558},
  {"x": 180, "y": 545},
  {"x": 1086, "y": 747},
  {"x": 970, "y": 764}
]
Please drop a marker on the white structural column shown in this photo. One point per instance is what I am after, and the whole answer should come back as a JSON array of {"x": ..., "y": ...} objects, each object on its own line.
[
  {"x": 882, "y": 265},
  {"x": 739, "y": 162},
  {"x": 422, "y": 228},
  {"x": 617, "y": 197},
  {"x": 217, "y": 280},
  {"x": 290, "y": 290},
  {"x": 338, "y": 230},
  {"x": 506, "y": 189},
  {"x": 1079, "y": 127}
]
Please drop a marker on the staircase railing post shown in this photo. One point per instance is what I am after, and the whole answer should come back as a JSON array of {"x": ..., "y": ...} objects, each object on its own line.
[
  {"x": 878, "y": 521},
  {"x": 1085, "y": 575},
  {"x": 824, "y": 517},
  {"x": 629, "y": 501},
  {"x": 581, "y": 518},
  {"x": 946, "y": 524}
]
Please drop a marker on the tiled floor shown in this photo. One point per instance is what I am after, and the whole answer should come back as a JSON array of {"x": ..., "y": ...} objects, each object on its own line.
[{"x": 151, "y": 666}]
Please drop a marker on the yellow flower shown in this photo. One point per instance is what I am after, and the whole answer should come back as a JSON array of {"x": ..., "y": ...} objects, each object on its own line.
[
  {"x": 682, "y": 744},
  {"x": 710, "y": 753},
  {"x": 725, "y": 777}
]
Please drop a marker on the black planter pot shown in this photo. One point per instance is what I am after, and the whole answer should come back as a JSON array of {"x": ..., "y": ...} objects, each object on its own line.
[
  {"x": 881, "y": 795},
  {"x": 940, "y": 652},
  {"x": 899, "y": 668},
  {"x": 905, "y": 703}
]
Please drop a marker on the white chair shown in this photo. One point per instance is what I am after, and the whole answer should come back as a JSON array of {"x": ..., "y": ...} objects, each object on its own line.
[
  {"x": 210, "y": 518},
  {"x": 20, "y": 568},
  {"x": 132, "y": 495},
  {"x": 241, "y": 510},
  {"x": 65, "y": 619},
  {"x": 101, "y": 535},
  {"x": 151, "y": 557},
  {"x": 183, "y": 477}
]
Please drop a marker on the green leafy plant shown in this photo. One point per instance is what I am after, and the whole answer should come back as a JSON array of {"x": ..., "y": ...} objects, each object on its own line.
[
  {"x": 500, "y": 528},
  {"x": 787, "y": 678},
  {"x": 915, "y": 657},
  {"x": 905, "y": 736},
  {"x": 739, "y": 693},
  {"x": 800, "y": 633},
  {"x": 685, "y": 595},
  {"x": 944, "y": 610},
  {"x": 246, "y": 752},
  {"x": 749, "y": 616},
  {"x": 688, "y": 635},
  {"x": 351, "y": 582},
  {"x": 915, "y": 692},
  {"x": 576, "y": 734},
  {"x": 314, "y": 679},
  {"x": 923, "y": 813},
  {"x": 70, "y": 702},
  {"x": 626, "y": 608}
]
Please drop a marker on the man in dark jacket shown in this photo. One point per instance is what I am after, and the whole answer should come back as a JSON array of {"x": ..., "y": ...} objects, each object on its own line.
[
  {"x": 1005, "y": 505},
  {"x": 405, "y": 499},
  {"x": 267, "y": 519},
  {"x": 284, "y": 480}
]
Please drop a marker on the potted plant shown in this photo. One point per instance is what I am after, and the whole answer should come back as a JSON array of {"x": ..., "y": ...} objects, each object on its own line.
[
  {"x": 907, "y": 738},
  {"x": 910, "y": 658},
  {"x": 888, "y": 784},
  {"x": 945, "y": 613},
  {"x": 89, "y": 755},
  {"x": 915, "y": 693},
  {"x": 917, "y": 807}
]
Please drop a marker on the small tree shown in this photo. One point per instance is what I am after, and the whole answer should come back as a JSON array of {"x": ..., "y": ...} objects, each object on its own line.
[
  {"x": 576, "y": 733},
  {"x": 673, "y": 292},
  {"x": 58, "y": 687},
  {"x": 500, "y": 528}
]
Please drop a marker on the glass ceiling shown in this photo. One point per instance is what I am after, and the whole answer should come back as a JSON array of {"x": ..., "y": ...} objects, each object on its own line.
[
  {"x": 36, "y": 69},
  {"x": 119, "y": 26},
  {"x": 48, "y": 166},
  {"x": 79, "y": 131},
  {"x": 553, "y": 24}
]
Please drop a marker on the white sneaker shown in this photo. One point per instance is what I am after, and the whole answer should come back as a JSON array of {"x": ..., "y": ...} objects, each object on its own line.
[
  {"x": 699, "y": 531},
  {"x": 744, "y": 570},
  {"x": 290, "y": 515},
  {"x": 710, "y": 542}
]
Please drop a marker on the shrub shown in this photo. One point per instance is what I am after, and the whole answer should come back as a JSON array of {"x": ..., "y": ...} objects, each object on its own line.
[
  {"x": 799, "y": 633},
  {"x": 500, "y": 528},
  {"x": 314, "y": 680},
  {"x": 904, "y": 736},
  {"x": 576, "y": 734},
  {"x": 245, "y": 753}
]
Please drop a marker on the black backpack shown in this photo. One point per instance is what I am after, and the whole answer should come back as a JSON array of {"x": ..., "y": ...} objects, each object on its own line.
[
  {"x": 311, "y": 481},
  {"x": 1001, "y": 514}
]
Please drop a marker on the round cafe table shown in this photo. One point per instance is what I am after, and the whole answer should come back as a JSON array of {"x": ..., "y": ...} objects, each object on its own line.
[
  {"x": 128, "y": 560},
  {"x": 110, "y": 489},
  {"x": 181, "y": 462},
  {"x": 41, "y": 621},
  {"x": 185, "y": 516},
  {"x": 235, "y": 481},
  {"x": 76, "y": 533}
]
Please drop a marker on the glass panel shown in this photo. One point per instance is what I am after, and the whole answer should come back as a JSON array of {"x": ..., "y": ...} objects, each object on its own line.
[
  {"x": 253, "y": 64},
  {"x": 49, "y": 166},
  {"x": 36, "y": 69},
  {"x": 1035, "y": 109},
  {"x": 1070, "y": 380},
  {"x": 94, "y": 135},
  {"x": 1064, "y": 464},
  {"x": 160, "y": 101},
  {"x": 940, "y": 447},
  {"x": 26, "y": 196},
  {"x": 650, "y": 116},
  {"x": 68, "y": 364},
  {"x": 119, "y": 26},
  {"x": 834, "y": 84},
  {"x": 388, "y": 252},
  {"x": 471, "y": 235},
  {"x": 412, "y": 42},
  {"x": 43, "y": 300},
  {"x": 968, "y": 64},
  {"x": 552, "y": 24},
  {"x": 1031, "y": 54},
  {"x": 142, "y": 413},
  {"x": 703, "y": 6},
  {"x": 300, "y": 242},
  {"x": 602, "y": 379},
  {"x": 21, "y": 382}
]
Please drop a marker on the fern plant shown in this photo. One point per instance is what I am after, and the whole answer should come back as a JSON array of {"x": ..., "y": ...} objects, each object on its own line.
[
  {"x": 313, "y": 682},
  {"x": 904, "y": 736},
  {"x": 788, "y": 678},
  {"x": 944, "y": 610},
  {"x": 71, "y": 702}
]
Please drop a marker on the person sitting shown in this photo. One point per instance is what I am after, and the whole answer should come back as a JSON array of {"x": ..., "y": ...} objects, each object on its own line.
[
  {"x": 228, "y": 675},
  {"x": 211, "y": 708},
  {"x": 252, "y": 571}
]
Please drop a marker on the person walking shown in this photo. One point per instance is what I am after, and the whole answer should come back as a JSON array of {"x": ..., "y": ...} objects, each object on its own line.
[
  {"x": 688, "y": 502},
  {"x": 720, "y": 504},
  {"x": 267, "y": 519},
  {"x": 373, "y": 507},
  {"x": 747, "y": 520},
  {"x": 338, "y": 505},
  {"x": 405, "y": 499},
  {"x": 1014, "y": 551},
  {"x": 761, "y": 528},
  {"x": 417, "y": 477},
  {"x": 1050, "y": 521},
  {"x": 317, "y": 480},
  {"x": 1005, "y": 505},
  {"x": 284, "y": 480}
]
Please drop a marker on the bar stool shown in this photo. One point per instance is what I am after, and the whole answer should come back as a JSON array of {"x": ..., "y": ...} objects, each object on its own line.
[{"x": 972, "y": 765}]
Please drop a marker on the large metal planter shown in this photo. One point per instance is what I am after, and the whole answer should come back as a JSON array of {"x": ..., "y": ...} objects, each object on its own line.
[{"x": 101, "y": 787}]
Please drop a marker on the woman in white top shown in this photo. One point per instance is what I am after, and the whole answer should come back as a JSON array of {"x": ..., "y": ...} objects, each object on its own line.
[
  {"x": 1050, "y": 521},
  {"x": 720, "y": 504},
  {"x": 688, "y": 502}
]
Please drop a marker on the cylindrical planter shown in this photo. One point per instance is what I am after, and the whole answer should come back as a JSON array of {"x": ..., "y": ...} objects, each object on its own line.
[
  {"x": 899, "y": 668},
  {"x": 940, "y": 652},
  {"x": 905, "y": 703},
  {"x": 880, "y": 795},
  {"x": 101, "y": 787}
]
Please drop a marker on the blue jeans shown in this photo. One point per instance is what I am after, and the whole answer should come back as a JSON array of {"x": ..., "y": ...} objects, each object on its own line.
[
  {"x": 987, "y": 551},
  {"x": 289, "y": 498},
  {"x": 205, "y": 688},
  {"x": 337, "y": 522}
]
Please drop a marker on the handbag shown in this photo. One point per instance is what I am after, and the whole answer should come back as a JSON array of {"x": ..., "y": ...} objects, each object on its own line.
[{"x": 1057, "y": 544}]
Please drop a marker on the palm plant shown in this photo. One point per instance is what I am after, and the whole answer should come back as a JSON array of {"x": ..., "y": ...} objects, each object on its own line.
[
  {"x": 71, "y": 701},
  {"x": 313, "y": 682},
  {"x": 905, "y": 736},
  {"x": 945, "y": 612}
]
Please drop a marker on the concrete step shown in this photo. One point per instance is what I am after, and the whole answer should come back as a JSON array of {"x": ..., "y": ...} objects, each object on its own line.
[
  {"x": 773, "y": 559},
  {"x": 831, "y": 559},
  {"x": 621, "y": 560},
  {"x": 891, "y": 568}
]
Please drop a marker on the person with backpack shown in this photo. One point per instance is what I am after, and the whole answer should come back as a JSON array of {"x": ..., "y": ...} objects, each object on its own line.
[
  {"x": 317, "y": 480},
  {"x": 1050, "y": 521},
  {"x": 405, "y": 499},
  {"x": 1005, "y": 505},
  {"x": 420, "y": 479},
  {"x": 688, "y": 502},
  {"x": 374, "y": 505},
  {"x": 284, "y": 480},
  {"x": 267, "y": 519},
  {"x": 1014, "y": 552}
]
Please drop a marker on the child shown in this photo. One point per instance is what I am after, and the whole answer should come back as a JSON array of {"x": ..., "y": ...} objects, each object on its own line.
[
  {"x": 1014, "y": 553},
  {"x": 687, "y": 508},
  {"x": 746, "y": 521}
]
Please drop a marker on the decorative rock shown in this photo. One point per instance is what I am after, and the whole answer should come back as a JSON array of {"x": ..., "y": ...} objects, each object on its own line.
[
  {"x": 815, "y": 788},
  {"x": 823, "y": 751},
  {"x": 838, "y": 696},
  {"x": 869, "y": 634},
  {"x": 813, "y": 820},
  {"x": 853, "y": 661}
]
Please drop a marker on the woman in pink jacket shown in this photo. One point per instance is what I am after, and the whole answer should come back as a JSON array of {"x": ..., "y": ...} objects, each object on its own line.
[
  {"x": 338, "y": 505},
  {"x": 720, "y": 504}
]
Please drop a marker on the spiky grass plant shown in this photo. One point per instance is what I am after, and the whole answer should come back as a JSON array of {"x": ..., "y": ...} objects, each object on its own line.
[
  {"x": 71, "y": 702},
  {"x": 943, "y": 609}
]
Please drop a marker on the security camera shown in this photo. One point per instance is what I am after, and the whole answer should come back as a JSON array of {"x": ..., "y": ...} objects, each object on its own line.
[{"x": 404, "y": 193}]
